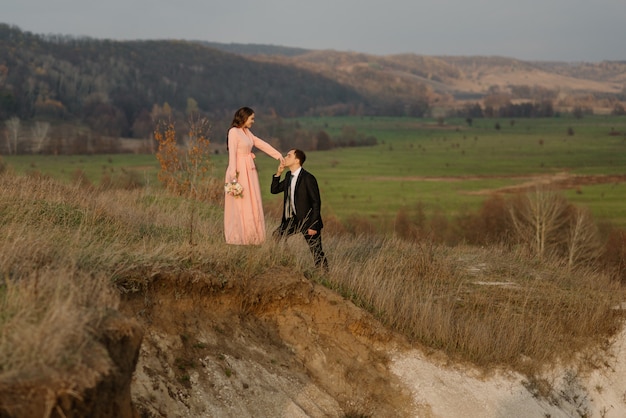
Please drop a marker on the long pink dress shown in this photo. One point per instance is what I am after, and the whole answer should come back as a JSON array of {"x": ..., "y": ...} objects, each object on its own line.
[{"x": 244, "y": 222}]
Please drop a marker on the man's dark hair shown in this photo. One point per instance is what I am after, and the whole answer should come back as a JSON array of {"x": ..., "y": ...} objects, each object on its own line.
[{"x": 300, "y": 155}]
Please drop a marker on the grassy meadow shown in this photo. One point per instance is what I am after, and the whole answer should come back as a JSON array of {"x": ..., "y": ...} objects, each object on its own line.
[
  {"x": 445, "y": 168},
  {"x": 442, "y": 166},
  {"x": 63, "y": 243}
]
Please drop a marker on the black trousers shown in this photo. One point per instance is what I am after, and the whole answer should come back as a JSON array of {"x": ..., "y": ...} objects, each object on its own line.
[{"x": 292, "y": 227}]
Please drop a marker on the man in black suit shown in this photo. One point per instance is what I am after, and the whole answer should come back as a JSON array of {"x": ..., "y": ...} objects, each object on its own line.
[{"x": 301, "y": 203}]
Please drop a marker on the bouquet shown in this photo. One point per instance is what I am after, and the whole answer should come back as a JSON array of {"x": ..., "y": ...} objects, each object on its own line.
[{"x": 234, "y": 188}]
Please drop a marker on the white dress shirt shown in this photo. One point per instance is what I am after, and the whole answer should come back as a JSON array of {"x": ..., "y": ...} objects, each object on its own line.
[{"x": 294, "y": 179}]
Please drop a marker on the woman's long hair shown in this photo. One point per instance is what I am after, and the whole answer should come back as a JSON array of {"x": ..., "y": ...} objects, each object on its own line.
[{"x": 241, "y": 116}]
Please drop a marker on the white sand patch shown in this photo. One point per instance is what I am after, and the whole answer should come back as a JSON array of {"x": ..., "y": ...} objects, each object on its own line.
[
  {"x": 607, "y": 386},
  {"x": 452, "y": 392},
  {"x": 448, "y": 391}
]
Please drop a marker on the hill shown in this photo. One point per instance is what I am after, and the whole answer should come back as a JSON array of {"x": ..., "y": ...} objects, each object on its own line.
[
  {"x": 113, "y": 86},
  {"x": 118, "y": 88},
  {"x": 127, "y": 303},
  {"x": 281, "y": 345},
  {"x": 451, "y": 81}
]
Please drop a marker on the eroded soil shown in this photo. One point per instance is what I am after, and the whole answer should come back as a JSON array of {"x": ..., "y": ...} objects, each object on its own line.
[{"x": 273, "y": 346}]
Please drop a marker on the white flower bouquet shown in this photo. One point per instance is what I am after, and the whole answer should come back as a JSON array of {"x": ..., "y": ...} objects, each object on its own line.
[{"x": 234, "y": 188}]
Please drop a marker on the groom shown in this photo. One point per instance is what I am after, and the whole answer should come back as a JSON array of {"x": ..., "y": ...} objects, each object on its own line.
[{"x": 302, "y": 205}]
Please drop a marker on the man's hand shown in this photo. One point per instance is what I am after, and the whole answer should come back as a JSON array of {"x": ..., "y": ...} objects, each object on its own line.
[{"x": 281, "y": 167}]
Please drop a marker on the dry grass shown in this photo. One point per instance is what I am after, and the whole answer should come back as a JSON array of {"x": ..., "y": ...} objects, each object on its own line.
[
  {"x": 47, "y": 322},
  {"x": 66, "y": 251},
  {"x": 490, "y": 306}
]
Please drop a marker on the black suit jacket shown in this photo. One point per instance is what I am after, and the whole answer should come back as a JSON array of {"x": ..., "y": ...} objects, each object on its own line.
[{"x": 306, "y": 199}]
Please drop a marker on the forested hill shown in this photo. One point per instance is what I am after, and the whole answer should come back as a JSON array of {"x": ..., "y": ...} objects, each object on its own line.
[
  {"x": 114, "y": 85},
  {"x": 417, "y": 85},
  {"x": 119, "y": 88}
]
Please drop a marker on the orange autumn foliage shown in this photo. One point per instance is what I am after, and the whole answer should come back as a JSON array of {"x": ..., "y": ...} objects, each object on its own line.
[{"x": 183, "y": 166}]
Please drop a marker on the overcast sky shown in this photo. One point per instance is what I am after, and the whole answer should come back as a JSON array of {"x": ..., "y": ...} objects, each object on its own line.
[{"x": 559, "y": 30}]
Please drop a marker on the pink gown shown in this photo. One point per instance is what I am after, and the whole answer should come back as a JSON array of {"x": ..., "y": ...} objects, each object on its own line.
[{"x": 244, "y": 222}]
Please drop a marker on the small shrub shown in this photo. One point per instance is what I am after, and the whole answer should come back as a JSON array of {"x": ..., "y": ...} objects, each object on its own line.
[
  {"x": 359, "y": 225},
  {"x": 613, "y": 257}
]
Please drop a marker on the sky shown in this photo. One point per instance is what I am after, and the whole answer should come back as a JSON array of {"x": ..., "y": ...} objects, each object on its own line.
[{"x": 543, "y": 30}]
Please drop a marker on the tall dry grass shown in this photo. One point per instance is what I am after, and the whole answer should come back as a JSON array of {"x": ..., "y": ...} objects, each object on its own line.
[
  {"x": 49, "y": 321},
  {"x": 67, "y": 251},
  {"x": 489, "y": 306}
]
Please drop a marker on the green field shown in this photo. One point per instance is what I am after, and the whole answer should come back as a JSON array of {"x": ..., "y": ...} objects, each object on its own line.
[{"x": 449, "y": 167}]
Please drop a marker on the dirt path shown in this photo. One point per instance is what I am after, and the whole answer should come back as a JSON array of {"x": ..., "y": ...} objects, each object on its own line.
[{"x": 562, "y": 180}]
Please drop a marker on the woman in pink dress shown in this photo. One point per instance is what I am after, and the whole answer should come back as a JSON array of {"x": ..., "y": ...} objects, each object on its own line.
[{"x": 244, "y": 222}]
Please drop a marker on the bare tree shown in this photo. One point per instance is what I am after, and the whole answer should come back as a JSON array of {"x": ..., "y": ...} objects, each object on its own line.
[
  {"x": 185, "y": 168},
  {"x": 540, "y": 219},
  {"x": 583, "y": 239},
  {"x": 13, "y": 125},
  {"x": 39, "y": 132}
]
